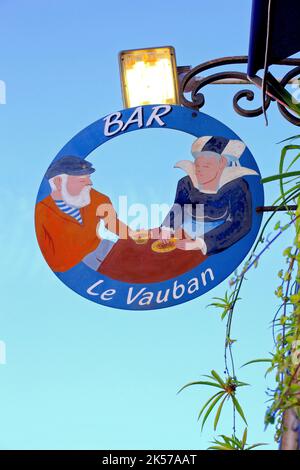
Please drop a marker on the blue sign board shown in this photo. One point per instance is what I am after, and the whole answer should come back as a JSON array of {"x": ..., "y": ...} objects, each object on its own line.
[{"x": 203, "y": 237}]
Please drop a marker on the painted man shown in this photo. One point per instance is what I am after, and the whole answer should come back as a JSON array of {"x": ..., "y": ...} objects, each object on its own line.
[
  {"x": 213, "y": 202},
  {"x": 67, "y": 220}
]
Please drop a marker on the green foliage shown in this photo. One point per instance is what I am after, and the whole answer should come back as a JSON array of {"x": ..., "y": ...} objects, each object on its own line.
[
  {"x": 284, "y": 361},
  {"x": 225, "y": 303},
  {"x": 282, "y": 94},
  {"x": 233, "y": 443},
  {"x": 227, "y": 391},
  {"x": 287, "y": 321}
]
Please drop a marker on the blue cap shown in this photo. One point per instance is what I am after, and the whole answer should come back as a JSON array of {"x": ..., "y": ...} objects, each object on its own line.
[{"x": 69, "y": 165}]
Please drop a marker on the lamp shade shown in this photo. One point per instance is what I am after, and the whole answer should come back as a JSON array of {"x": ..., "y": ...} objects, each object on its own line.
[{"x": 149, "y": 76}]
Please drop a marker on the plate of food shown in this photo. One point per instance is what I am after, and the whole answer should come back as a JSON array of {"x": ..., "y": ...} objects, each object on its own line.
[{"x": 164, "y": 246}]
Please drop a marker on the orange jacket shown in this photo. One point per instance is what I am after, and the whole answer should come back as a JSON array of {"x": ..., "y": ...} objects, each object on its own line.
[{"x": 62, "y": 239}]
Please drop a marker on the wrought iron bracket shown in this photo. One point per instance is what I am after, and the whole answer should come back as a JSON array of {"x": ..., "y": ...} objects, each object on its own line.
[
  {"x": 276, "y": 208},
  {"x": 192, "y": 81}
]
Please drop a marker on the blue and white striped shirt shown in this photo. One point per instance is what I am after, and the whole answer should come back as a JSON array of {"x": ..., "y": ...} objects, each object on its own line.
[{"x": 72, "y": 211}]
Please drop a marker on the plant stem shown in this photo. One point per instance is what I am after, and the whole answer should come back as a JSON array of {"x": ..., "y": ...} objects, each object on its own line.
[{"x": 291, "y": 423}]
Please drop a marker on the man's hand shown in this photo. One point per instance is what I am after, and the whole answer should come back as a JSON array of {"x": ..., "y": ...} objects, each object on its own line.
[
  {"x": 162, "y": 233},
  {"x": 139, "y": 236},
  {"x": 137, "y": 233}
]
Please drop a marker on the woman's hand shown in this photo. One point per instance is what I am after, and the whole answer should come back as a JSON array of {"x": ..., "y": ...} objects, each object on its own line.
[{"x": 187, "y": 245}]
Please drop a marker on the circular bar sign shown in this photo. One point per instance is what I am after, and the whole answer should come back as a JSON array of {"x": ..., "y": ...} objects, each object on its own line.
[{"x": 202, "y": 237}]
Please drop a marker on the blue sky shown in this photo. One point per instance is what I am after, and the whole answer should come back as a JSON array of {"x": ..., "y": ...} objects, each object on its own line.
[{"x": 79, "y": 375}]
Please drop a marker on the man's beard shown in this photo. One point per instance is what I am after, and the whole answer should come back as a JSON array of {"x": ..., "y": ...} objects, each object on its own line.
[{"x": 81, "y": 200}]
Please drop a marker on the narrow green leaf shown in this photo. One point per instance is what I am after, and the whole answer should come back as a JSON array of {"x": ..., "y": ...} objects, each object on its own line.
[
  {"x": 289, "y": 139},
  {"x": 281, "y": 163},
  {"x": 293, "y": 161},
  {"x": 212, "y": 405},
  {"x": 282, "y": 157},
  {"x": 257, "y": 445},
  {"x": 239, "y": 408},
  {"x": 221, "y": 298},
  {"x": 295, "y": 178},
  {"x": 221, "y": 447},
  {"x": 291, "y": 190},
  {"x": 211, "y": 384},
  {"x": 255, "y": 361},
  {"x": 228, "y": 440},
  {"x": 208, "y": 376},
  {"x": 268, "y": 179},
  {"x": 207, "y": 403},
  {"x": 270, "y": 369},
  {"x": 217, "y": 377},
  {"x": 215, "y": 441},
  {"x": 242, "y": 384},
  {"x": 217, "y": 305},
  {"x": 244, "y": 438},
  {"x": 217, "y": 417}
]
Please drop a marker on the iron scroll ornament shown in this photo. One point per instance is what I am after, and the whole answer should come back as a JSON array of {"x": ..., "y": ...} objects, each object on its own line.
[{"x": 197, "y": 99}]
